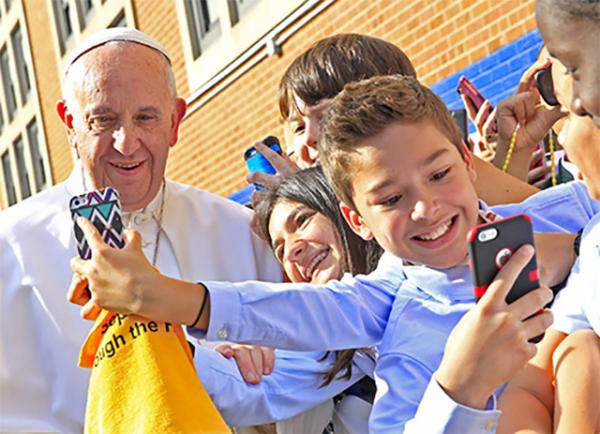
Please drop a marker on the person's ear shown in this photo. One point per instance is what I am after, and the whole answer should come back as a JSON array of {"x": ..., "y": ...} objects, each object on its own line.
[
  {"x": 356, "y": 222},
  {"x": 67, "y": 119},
  {"x": 468, "y": 158},
  {"x": 177, "y": 116}
]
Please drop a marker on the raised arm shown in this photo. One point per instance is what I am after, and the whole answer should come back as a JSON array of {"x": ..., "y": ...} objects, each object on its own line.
[
  {"x": 497, "y": 187},
  {"x": 342, "y": 314}
]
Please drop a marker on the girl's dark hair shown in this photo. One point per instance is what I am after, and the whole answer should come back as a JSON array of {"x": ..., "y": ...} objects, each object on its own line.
[{"x": 310, "y": 187}]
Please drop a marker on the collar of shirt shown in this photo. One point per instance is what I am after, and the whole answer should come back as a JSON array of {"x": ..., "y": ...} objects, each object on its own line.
[
  {"x": 452, "y": 285},
  {"x": 141, "y": 217}
]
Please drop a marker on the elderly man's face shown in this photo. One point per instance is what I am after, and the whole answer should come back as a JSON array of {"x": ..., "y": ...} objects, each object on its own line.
[{"x": 122, "y": 118}]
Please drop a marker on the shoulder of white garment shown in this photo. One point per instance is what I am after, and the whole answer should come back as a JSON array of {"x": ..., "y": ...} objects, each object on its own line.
[
  {"x": 195, "y": 218},
  {"x": 37, "y": 210},
  {"x": 209, "y": 203}
]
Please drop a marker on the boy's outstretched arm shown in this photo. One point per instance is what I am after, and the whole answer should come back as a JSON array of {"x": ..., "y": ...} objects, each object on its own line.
[
  {"x": 124, "y": 281},
  {"x": 342, "y": 314},
  {"x": 490, "y": 343}
]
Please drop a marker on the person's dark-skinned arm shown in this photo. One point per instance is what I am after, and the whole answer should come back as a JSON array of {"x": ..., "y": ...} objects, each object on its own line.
[
  {"x": 496, "y": 187},
  {"x": 534, "y": 123}
]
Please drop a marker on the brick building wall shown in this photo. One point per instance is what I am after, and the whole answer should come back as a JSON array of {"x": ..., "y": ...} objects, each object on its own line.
[
  {"x": 48, "y": 82},
  {"x": 443, "y": 38}
]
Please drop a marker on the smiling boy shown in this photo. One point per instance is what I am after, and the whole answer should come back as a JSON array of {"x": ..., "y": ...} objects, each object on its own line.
[{"x": 396, "y": 160}]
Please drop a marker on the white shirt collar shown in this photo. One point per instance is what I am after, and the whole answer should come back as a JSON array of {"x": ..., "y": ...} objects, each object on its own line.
[{"x": 75, "y": 186}]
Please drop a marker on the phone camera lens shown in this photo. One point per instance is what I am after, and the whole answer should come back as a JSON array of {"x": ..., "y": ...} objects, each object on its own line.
[
  {"x": 487, "y": 235},
  {"x": 503, "y": 256}
]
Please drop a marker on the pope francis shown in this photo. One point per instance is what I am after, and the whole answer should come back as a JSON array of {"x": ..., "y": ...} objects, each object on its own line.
[{"x": 121, "y": 115}]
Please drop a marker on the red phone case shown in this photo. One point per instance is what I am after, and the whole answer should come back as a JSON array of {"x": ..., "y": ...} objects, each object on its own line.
[
  {"x": 489, "y": 251},
  {"x": 489, "y": 255}
]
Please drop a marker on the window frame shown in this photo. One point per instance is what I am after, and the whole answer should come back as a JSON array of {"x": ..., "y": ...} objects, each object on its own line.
[
  {"x": 21, "y": 64},
  {"x": 8, "y": 86},
  {"x": 37, "y": 157},
  {"x": 84, "y": 15},
  {"x": 200, "y": 38},
  {"x": 8, "y": 178},
  {"x": 61, "y": 19},
  {"x": 235, "y": 40},
  {"x": 23, "y": 181}
]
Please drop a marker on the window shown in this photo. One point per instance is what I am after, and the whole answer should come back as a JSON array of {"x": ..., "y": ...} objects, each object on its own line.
[
  {"x": 22, "y": 168},
  {"x": 22, "y": 71},
  {"x": 84, "y": 9},
  {"x": 237, "y": 9},
  {"x": 37, "y": 159},
  {"x": 119, "y": 21},
  {"x": 9, "y": 183},
  {"x": 1, "y": 120},
  {"x": 7, "y": 84},
  {"x": 203, "y": 23},
  {"x": 63, "y": 23}
]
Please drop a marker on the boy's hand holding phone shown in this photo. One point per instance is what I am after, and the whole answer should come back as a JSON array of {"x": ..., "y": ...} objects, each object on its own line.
[
  {"x": 119, "y": 280},
  {"x": 490, "y": 344},
  {"x": 483, "y": 115}
]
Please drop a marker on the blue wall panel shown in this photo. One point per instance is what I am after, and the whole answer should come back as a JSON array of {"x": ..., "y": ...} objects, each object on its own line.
[{"x": 497, "y": 75}]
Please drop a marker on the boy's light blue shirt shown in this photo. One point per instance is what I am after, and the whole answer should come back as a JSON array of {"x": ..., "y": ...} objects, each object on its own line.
[
  {"x": 292, "y": 388},
  {"x": 408, "y": 311}
]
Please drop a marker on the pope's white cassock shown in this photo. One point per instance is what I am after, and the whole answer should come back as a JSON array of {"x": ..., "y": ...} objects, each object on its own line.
[{"x": 202, "y": 237}]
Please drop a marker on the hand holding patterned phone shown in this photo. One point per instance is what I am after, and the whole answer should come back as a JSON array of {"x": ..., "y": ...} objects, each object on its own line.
[{"x": 103, "y": 209}]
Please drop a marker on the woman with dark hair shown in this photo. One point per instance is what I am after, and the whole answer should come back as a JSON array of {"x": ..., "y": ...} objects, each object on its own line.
[
  {"x": 302, "y": 222},
  {"x": 309, "y": 189}
]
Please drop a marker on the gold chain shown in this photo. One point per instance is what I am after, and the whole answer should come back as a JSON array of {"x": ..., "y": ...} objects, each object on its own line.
[
  {"x": 552, "y": 162},
  {"x": 511, "y": 148}
]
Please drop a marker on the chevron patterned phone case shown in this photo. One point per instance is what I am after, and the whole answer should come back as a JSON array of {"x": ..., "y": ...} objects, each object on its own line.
[{"x": 103, "y": 209}]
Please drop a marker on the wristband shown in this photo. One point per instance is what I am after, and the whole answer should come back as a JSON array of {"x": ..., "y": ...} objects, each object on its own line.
[{"x": 202, "y": 306}]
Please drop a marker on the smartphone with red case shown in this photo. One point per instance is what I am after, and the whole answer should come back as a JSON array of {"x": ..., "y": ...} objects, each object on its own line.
[
  {"x": 490, "y": 247},
  {"x": 103, "y": 209},
  {"x": 474, "y": 97}
]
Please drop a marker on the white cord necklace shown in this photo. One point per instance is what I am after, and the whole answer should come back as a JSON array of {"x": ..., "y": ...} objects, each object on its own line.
[{"x": 159, "y": 222}]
